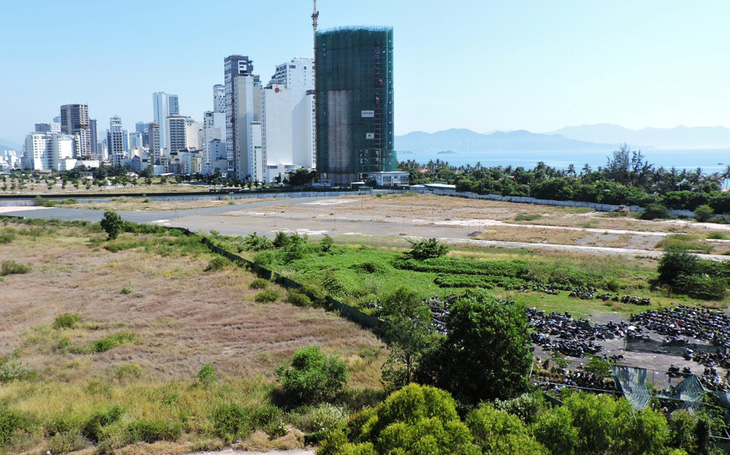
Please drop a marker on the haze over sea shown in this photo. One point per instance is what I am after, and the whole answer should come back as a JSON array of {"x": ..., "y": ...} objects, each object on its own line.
[{"x": 709, "y": 160}]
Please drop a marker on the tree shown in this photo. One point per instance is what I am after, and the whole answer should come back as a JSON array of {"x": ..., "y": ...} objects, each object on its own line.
[
  {"x": 486, "y": 353},
  {"x": 301, "y": 177},
  {"x": 704, "y": 213},
  {"x": 500, "y": 432},
  {"x": 406, "y": 327},
  {"x": 427, "y": 249},
  {"x": 674, "y": 264},
  {"x": 112, "y": 224},
  {"x": 312, "y": 377},
  {"x": 414, "y": 420}
]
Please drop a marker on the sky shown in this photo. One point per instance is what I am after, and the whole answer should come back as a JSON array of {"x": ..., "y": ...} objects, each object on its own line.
[{"x": 484, "y": 65}]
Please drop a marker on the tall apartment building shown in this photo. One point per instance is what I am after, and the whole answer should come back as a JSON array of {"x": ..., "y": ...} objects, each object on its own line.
[
  {"x": 94, "y": 133},
  {"x": 143, "y": 128},
  {"x": 219, "y": 98},
  {"x": 115, "y": 141},
  {"x": 163, "y": 106},
  {"x": 153, "y": 134},
  {"x": 47, "y": 151},
  {"x": 288, "y": 119},
  {"x": 243, "y": 117},
  {"x": 75, "y": 121},
  {"x": 354, "y": 103}
]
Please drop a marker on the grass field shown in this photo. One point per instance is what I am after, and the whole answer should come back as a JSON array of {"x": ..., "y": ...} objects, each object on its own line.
[{"x": 149, "y": 317}]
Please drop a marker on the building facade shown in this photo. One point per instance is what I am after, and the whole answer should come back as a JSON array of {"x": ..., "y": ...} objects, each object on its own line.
[
  {"x": 163, "y": 106},
  {"x": 75, "y": 121},
  {"x": 288, "y": 119},
  {"x": 115, "y": 141},
  {"x": 243, "y": 106},
  {"x": 354, "y": 90}
]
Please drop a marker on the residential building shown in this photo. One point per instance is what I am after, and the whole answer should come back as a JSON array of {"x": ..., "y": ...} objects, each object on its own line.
[
  {"x": 243, "y": 107},
  {"x": 94, "y": 133},
  {"x": 153, "y": 132},
  {"x": 38, "y": 152},
  {"x": 42, "y": 127},
  {"x": 219, "y": 98},
  {"x": 163, "y": 106},
  {"x": 75, "y": 121},
  {"x": 176, "y": 126},
  {"x": 115, "y": 141},
  {"x": 288, "y": 119},
  {"x": 354, "y": 90}
]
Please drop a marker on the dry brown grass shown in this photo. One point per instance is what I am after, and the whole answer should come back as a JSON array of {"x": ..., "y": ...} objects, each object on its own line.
[
  {"x": 139, "y": 205},
  {"x": 182, "y": 317},
  {"x": 33, "y": 189}
]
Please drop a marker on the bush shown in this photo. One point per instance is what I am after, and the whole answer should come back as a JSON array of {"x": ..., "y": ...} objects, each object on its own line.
[
  {"x": 13, "y": 268},
  {"x": 112, "y": 224},
  {"x": 257, "y": 242},
  {"x": 427, "y": 249},
  {"x": 6, "y": 237},
  {"x": 153, "y": 430},
  {"x": 268, "y": 296},
  {"x": 112, "y": 341},
  {"x": 299, "y": 299},
  {"x": 127, "y": 290},
  {"x": 259, "y": 283},
  {"x": 704, "y": 213},
  {"x": 702, "y": 287},
  {"x": 12, "y": 369},
  {"x": 231, "y": 422},
  {"x": 66, "y": 321},
  {"x": 217, "y": 263},
  {"x": 325, "y": 245},
  {"x": 676, "y": 262},
  {"x": 11, "y": 423},
  {"x": 655, "y": 211},
  {"x": 264, "y": 258},
  {"x": 207, "y": 374},
  {"x": 93, "y": 428},
  {"x": 312, "y": 377}
]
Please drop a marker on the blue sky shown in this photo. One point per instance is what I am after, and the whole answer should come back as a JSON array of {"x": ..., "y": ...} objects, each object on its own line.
[{"x": 479, "y": 64}]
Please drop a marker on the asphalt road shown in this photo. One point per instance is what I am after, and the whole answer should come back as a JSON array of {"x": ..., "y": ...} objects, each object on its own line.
[{"x": 268, "y": 216}]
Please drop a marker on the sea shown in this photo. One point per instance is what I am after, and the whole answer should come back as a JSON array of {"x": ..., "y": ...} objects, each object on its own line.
[{"x": 709, "y": 161}]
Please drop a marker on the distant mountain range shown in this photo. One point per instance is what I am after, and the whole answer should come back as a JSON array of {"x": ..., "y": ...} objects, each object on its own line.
[
  {"x": 463, "y": 140},
  {"x": 681, "y": 137},
  {"x": 571, "y": 138},
  {"x": 6, "y": 144}
]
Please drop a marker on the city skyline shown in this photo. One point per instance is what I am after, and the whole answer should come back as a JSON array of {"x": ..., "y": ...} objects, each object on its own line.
[{"x": 479, "y": 65}]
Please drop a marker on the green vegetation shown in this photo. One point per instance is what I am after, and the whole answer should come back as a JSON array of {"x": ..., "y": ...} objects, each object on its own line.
[
  {"x": 685, "y": 273},
  {"x": 112, "y": 341},
  {"x": 655, "y": 212},
  {"x": 66, "y": 321},
  {"x": 13, "y": 268},
  {"x": 259, "y": 283},
  {"x": 112, "y": 224},
  {"x": 312, "y": 377},
  {"x": 427, "y": 249},
  {"x": 268, "y": 296}
]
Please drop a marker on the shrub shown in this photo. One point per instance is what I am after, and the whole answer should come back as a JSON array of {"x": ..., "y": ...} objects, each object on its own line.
[
  {"x": 655, "y": 211},
  {"x": 66, "y": 321},
  {"x": 676, "y": 262},
  {"x": 298, "y": 298},
  {"x": 93, "y": 428},
  {"x": 268, "y": 296},
  {"x": 153, "y": 430},
  {"x": 704, "y": 213},
  {"x": 264, "y": 258},
  {"x": 112, "y": 224},
  {"x": 312, "y": 376},
  {"x": 701, "y": 286},
  {"x": 257, "y": 242},
  {"x": 325, "y": 245},
  {"x": 112, "y": 341},
  {"x": 11, "y": 423},
  {"x": 13, "y": 268},
  {"x": 127, "y": 290},
  {"x": 6, "y": 237},
  {"x": 427, "y": 249},
  {"x": 207, "y": 374},
  {"x": 217, "y": 263},
  {"x": 12, "y": 369},
  {"x": 259, "y": 283},
  {"x": 231, "y": 422}
]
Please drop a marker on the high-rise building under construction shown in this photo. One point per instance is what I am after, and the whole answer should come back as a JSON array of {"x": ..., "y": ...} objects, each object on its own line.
[{"x": 354, "y": 97}]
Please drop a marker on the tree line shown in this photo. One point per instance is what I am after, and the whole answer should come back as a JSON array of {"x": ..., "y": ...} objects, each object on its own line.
[{"x": 626, "y": 179}]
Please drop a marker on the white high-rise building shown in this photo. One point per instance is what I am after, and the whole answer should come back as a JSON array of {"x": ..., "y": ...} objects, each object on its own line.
[
  {"x": 38, "y": 153},
  {"x": 63, "y": 147},
  {"x": 219, "y": 98},
  {"x": 153, "y": 133},
  {"x": 163, "y": 106},
  {"x": 115, "y": 141},
  {"x": 175, "y": 129},
  {"x": 214, "y": 128},
  {"x": 288, "y": 122}
]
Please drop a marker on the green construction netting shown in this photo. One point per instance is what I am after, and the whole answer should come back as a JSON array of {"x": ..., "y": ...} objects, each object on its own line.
[{"x": 632, "y": 383}]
